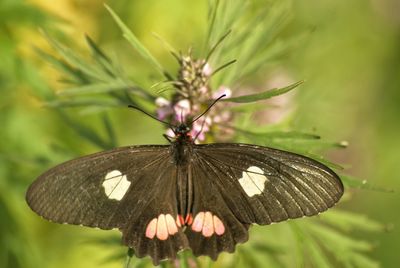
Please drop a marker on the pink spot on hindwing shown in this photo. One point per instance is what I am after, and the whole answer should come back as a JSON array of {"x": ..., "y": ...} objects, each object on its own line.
[
  {"x": 171, "y": 224},
  {"x": 165, "y": 225},
  {"x": 198, "y": 222},
  {"x": 162, "y": 231},
  {"x": 208, "y": 224},
  {"x": 219, "y": 227},
  {"x": 161, "y": 227},
  {"x": 151, "y": 228}
]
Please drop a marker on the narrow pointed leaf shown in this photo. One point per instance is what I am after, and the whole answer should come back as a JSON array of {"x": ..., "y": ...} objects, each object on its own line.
[
  {"x": 343, "y": 241},
  {"x": 280, "y": 134},
  {"x": 71, "y": 58},
  {"x": 360, "y": 260},
  {"x": 132, "y": 39},
  {"x": 263, "y": 95},
  {"x": 85, "y": 132},
  {"x": 317, "y": 256},
  {"x": 97, "y": 88},
  {"x": 112, "y": 137},
  {"x": 350, "y": 221},
  {"x": 74, "y": 74},
  {"x": 100, "y": 57},
  {"x": 352, "y": 182},
  {"x": 82, "y": 103}
]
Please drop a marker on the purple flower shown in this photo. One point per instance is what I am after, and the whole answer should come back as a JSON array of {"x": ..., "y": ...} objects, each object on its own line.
[
  {"x": 181, "y": 110},
  {"x": 207, "y": 70},
  {"x": 222, "y": 90},
  {"x": 164, "y": 109},
  {"x": 192, "y": 97}
]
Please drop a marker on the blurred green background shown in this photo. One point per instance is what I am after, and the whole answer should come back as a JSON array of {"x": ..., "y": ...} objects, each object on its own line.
[{"x": 349, "y": 57}]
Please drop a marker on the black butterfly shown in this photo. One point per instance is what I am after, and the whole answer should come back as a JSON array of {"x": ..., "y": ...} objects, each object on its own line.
[{"x": 165, "y": 198}]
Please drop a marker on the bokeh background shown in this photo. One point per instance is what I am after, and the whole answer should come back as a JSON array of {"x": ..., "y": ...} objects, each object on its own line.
[{"x": 349, "y": 57}]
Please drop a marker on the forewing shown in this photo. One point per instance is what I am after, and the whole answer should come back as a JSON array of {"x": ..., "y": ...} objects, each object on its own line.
[
  {"x": 263, "y": 185},
  {"x": 98, "y": 190},
  {"x": 124, "y": 188}
]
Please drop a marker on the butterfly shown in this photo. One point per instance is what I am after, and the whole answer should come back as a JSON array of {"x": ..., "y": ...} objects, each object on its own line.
[{"x": 166, "y": 198}]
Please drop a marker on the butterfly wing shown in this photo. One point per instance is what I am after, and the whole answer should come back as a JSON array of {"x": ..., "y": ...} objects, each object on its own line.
[
  {"x": 244, "y": 184},
  {"x": 210, "y": 209},
  {"x": 272, "y": 185},
  {"x": 135, "y": 189},
  {"x": 124, "y": 188}
]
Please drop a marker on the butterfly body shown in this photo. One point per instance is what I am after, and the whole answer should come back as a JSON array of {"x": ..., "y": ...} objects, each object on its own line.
[{"x": 165, "y": 198}]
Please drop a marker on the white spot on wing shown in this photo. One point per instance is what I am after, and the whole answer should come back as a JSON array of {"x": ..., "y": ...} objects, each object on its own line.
[
  {"x": 253, "y": 180},
  {"x": 115, "y": 185}
]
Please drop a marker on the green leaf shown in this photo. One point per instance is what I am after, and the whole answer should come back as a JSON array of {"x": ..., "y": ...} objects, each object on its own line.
[
  {"x": 264, "y": 95},
  {"x": 342, "y": 242},
  {"x": 280, "y": 134},
  {"x": 269, "y": 253},
  {"x": 353, "y": 182},
  {"x": 167, "y": 46},
  {"x": 76, "y": 75},
  {"x": 317, "y": 255},
  {"x": 275, "y": 50},
  {"x": 360, "y": 260},
  {"x": 255, "y": 31},
  {"x": 71, "y": 58},
  {"x": 85, "y": 132},
  {"x": 82, "y": 103},
  {"x": 97, "y": 88},
  {"x": 350, "y": 221},
  {"x": 323, "y": 241},
  {"x": 112, "y": 137},
  {"x": 100, "y": 57},
  {"x": 183, "y": 259},
  {"x": 132, "y": 39}
]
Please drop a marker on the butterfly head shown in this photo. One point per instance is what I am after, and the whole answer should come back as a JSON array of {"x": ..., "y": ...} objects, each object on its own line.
[
  {"x": 182, "y": 129},
  {"x": 182, "y": 132}
]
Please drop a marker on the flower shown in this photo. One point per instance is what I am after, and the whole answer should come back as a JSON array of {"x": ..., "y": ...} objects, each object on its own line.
[
  {"x": 182, "y": 110},
  {"x": 193, "y": 95},
  {"x": 207, "y": 70},
  {"x": 164, "y": 109},
  {"x": 221, "y": 91}
]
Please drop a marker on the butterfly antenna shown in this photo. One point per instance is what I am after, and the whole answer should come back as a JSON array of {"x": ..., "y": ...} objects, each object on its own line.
[
  {"x": 209, "y": 107},
  {"x": 152, "y": 116},
  {"x": 201, "y": 129}
]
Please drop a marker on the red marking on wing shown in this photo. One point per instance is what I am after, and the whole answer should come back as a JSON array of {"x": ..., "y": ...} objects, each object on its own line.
[{"x": 189, "y": 219}]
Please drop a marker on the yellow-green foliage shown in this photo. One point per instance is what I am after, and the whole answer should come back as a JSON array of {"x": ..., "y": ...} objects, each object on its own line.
[{"x": 61, "y": 97}]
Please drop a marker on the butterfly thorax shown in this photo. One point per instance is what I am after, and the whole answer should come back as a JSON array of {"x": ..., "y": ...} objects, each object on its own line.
[{"x": 182, "y": 146}]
